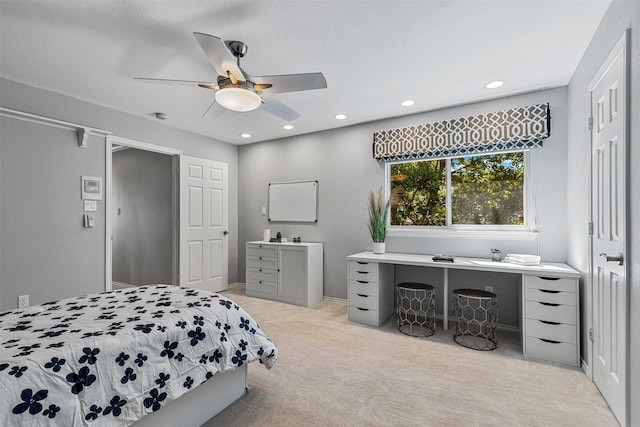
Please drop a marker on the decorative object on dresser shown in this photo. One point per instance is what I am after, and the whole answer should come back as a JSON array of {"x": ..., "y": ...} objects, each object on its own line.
[
  {"x": 378, "y": 215},
  {"x": 287, "y": 272}
]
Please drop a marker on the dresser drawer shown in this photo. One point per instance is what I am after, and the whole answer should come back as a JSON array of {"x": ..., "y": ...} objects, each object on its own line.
[
  {"x": 557, "y": 351},
  {"x": 363, "y": 287},
  {"x": 550, "y": 312},
  {"x": 363, "y": 301},
  {"x": 262, "y": 274},
  {"x": 551, "y": 331},
  {"x": 363, "y": 315},
  {"x": 363, "y": 266},
  {"x": 261, "y": 286},
  {"x": 262, "y": 250},
  {"x": 555, "y": 297},
  {"x": 262, "y": 262},
  {"x": 363, "y": 276},
  {"x": 552, "y": 284}
]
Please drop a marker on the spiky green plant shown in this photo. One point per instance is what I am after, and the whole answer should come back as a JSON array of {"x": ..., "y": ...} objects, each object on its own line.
[{"x": 379, "y": 211}]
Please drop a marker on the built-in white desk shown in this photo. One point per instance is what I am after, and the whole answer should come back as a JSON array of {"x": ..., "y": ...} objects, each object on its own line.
[{"x": 550, "y": 310}]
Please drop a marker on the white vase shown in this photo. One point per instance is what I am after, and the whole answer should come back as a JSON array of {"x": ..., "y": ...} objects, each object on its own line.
[{"x": 378, "y": 247}]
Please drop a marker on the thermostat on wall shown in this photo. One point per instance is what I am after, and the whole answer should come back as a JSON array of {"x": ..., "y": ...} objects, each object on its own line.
[{"x": 91, "y": 188}]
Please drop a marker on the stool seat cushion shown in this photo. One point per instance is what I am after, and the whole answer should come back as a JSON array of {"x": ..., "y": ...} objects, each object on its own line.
[
  {"x": 415, "y": 285},
  {"x": 474, "y": 293}
]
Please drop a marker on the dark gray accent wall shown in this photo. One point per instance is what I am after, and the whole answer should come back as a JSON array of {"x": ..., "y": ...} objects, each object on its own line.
[
  {"x": 141, "y": 217},
  {"x": 82, "y": 275},
  {"x": 620, "y": 16},
  {"x": 341, "y": 160}
]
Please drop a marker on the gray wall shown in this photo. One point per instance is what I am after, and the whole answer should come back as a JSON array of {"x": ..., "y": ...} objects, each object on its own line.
[
  {"x": 621, "y": 15},
  {"x": 341, "y": 160},
  {"x": 141, "y": 217},
  {"x": 44, "y": 251},
  {"x": 82, "y": 275}
]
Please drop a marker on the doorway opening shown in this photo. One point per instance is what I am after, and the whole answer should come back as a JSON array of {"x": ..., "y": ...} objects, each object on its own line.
[{"x": 142, "y": 239}]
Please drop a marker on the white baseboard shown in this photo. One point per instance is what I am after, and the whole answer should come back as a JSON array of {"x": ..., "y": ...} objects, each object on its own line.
[{"x": 335, "y": 300}]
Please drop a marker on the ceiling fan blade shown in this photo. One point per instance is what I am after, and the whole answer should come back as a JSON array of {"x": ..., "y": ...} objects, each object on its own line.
[
  {"x": 278, "y": 109},
  {"x": 208, "y": 85},
  {"x": 216, "y": 111},
  {"x": 218, "y": 54},
  {"x": 293, "y": 82}
]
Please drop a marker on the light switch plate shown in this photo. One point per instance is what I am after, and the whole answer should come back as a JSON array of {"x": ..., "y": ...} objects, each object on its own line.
[{"x": 90, "y": 205}]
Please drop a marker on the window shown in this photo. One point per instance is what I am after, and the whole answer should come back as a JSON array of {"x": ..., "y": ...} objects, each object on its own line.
[{"x": 481, "y": 190}]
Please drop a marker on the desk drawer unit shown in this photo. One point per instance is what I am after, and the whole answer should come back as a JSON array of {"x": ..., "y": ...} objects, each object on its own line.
[
  {"x": 551, "y": 313},
  {"x": 370, "y": 292}
]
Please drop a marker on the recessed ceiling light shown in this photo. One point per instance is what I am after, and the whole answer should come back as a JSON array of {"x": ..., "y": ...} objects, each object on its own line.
[
  {"x": 287, "y": 127},
  {"x": 408, "y": 103},
  {"x": 245, "y": 135},
  {"x": 340, "y": 116},
  {"x": 494, "y": 84}
]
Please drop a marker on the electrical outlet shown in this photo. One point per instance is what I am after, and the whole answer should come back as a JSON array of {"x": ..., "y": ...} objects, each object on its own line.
[
  {"x": 23, "y": 301},
  {"x": 488, "y": 288}
]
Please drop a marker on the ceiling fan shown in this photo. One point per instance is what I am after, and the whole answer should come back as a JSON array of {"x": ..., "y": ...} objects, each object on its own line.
[{"x": 236, "y": 90}]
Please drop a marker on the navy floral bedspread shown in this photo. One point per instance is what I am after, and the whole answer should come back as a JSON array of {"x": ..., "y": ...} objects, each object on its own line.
[{"x": 108, "y": 359}]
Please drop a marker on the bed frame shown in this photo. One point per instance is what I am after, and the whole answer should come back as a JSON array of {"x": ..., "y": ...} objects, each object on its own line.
[{"x": 202, "y": 403}]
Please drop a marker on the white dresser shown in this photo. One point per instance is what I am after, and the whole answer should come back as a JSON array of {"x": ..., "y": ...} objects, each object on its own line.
[
  {"x": 369, "y": 302},
  {"x": 551, "y": 317},
  {"x": 287, "y": 272}
]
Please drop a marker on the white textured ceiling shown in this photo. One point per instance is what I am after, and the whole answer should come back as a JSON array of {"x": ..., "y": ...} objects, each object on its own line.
[{"x": 373, "y": 53}]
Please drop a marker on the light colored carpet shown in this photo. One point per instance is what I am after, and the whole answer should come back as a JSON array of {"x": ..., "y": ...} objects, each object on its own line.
[{"x": 331, "y": 372}]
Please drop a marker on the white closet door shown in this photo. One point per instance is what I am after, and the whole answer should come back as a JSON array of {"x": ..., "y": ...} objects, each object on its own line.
[{"x": 204, "y": 221}]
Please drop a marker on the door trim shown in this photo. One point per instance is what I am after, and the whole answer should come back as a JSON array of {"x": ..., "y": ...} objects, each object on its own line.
[
  {"x": 620, "y": 49},
  {"x": 117, "y": 140}
]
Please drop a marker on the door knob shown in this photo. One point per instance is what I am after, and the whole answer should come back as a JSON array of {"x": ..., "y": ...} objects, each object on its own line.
[
  {"x": 619, "y": 258},
  {"x": 225, "y": 232}
]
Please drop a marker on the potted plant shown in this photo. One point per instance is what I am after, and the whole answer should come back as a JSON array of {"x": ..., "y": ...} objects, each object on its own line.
[{"x": 378, "y": 214}]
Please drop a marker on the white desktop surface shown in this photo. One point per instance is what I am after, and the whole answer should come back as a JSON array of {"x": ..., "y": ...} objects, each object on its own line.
[
  {"x": 553, "y": 269},
  {"x": 545, "y": 269}
]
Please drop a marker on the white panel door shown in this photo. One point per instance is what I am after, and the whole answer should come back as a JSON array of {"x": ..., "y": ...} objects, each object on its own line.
[
  {"x": 204, "y": 221},
  {"x": 608, "y": 109}
]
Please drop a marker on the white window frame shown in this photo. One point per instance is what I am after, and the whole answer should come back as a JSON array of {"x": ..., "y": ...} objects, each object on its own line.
[{"x": 528, "y": 231}]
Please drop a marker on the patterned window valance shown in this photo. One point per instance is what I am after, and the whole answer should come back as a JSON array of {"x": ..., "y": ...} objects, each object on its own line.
[{"x": 515, "y": 129}]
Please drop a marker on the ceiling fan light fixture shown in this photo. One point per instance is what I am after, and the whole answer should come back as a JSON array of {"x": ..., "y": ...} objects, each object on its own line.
[{"x": 238, "y": 99}]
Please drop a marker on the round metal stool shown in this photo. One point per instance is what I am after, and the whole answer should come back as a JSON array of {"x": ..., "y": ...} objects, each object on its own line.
[
  {"x": 416, "y": 309},
  {"x": 476, "y": 314}
]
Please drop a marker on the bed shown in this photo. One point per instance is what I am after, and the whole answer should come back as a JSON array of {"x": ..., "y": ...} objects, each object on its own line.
[{"x": 111, "y": 359}]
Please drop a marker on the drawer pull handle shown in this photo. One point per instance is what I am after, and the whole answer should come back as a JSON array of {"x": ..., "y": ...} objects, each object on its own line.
[
  {"x": 362, "y": 281},
  {"x": 259, "y": 246},
  {"x": 362, "y": 263},
  {"x": 549, "y": 341},
  {"x": 550, "y": 278},
  {"x": 362, "y": 309},
  {"x": 547, "y": 291},
  {"x": 259, "y": 269},
  {"x": 363, "y": 272},
  {"x": 363, "y": 296},
  {"x": 550, "y": 304},
  {"x": 259, "y": 257},
  {"x": 260, "y": 282},
  {"x": 547, "y": 322}
]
